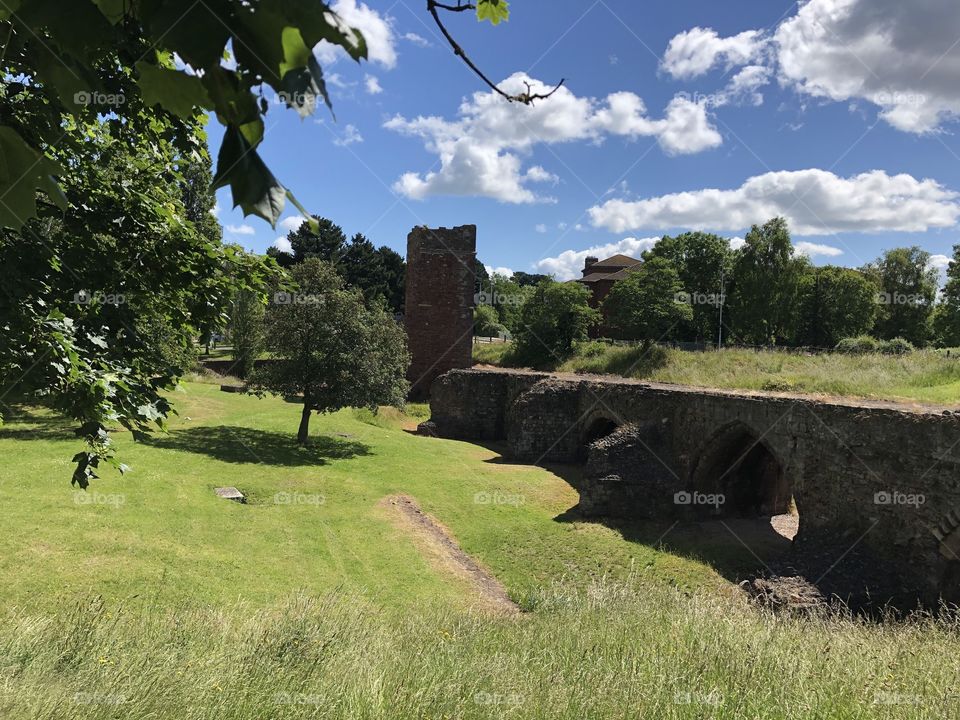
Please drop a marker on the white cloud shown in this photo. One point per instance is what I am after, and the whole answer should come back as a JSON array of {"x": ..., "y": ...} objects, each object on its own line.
[
  {"x": 816, "y": 249},
  {"x": 292, "y": 223},
  {"x": 372, "y": 84},
  {"x": 901, "y": 56},
  {"x": 505, "y": 271},
  {"x": 737, "y": 242},
  {"x": 350, "y": 136},
  {"x": 940, "y": 262},
  {"x": 694, "y": 52},
  {"x": 417, "y": 40},
  {"x": 375, "y": 28},
  {"x": 815, "y": 202},
  {"x": 283, "y": 245},
  {"x": 541, "y": 228},
  {"x": 241, "y": 229},
  {"x": 480, "y": 151},
  {"x": 215, "y": 210},
  {"x": 569, "y": 264},
  {"x": 336, "y": 79}
]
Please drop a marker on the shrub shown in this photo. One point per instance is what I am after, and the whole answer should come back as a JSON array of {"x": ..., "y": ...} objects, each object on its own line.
[
  {"x": 896, "y": 346},
  {"x": 858, "y": 345}
]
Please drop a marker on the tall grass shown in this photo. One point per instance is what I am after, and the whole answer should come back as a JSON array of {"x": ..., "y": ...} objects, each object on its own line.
[
  {"x": 925, "y": 375},
  {"x": 630, "y": 650}
]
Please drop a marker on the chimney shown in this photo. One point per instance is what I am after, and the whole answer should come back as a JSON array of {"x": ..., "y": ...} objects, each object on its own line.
[{"x": 588, "y": 263}]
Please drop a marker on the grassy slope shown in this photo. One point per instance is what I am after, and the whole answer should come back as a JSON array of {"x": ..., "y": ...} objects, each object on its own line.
[
  {"x": 173, "y": 538},
  {"x": 925, "y": 376},
  {"x": 201, "y": 615}
]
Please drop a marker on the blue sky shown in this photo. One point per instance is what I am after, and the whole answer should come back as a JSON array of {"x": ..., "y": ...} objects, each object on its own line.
[{"x": 840, "y": 114}]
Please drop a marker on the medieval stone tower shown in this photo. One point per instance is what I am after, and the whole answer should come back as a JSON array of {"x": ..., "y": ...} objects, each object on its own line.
[{"x": 439, "y": 302}]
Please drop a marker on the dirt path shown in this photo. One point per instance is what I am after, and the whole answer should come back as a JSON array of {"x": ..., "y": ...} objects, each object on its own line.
[{"x": 442, "y": 551}]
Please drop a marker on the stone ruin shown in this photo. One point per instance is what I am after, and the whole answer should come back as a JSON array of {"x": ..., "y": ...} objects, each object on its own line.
[{"x": 439, "y": 303}]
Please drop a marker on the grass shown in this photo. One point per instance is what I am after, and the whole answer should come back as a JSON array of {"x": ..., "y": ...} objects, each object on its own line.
[
  {"x": 150, "y": 597},
  {"x": 924, "y": 376}
]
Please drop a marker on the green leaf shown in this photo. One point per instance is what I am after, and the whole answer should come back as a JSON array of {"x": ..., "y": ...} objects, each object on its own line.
[
  {"x": 8, "y": 8},
  {"x": 22, "y": 170},
  {"x": 197, "y": 31},
  {"x": 255, "y": 190},
  {"x": 300, "y": 88},
  {"x": 173, "y": 90},
  {"x": 495, "y": 11}
]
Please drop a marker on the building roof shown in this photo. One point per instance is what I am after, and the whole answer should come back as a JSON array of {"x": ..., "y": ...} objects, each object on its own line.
[{"x": 616, "y": 261}]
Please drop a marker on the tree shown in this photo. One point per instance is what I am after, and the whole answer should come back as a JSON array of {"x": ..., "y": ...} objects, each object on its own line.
[
  {"x": 323, "y": 239},
  {"x": 835, "y": 303},
  {"x": 765, "y": 285},
  {"x": 524, "y": 279},
  {"x": 246, "y": 330},
  {"x": 703, "y": 262},
  {"x": 908, "y": 288},
  {"x": 331, "y": 348},
  {"x": 554, "y": 317},
  {"x": 649, "y": 303},
  {"x": 947, "y": 318},
  {"x": 486, "y": 323}
]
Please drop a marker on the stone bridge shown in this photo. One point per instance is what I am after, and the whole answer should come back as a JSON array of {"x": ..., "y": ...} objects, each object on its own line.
[{"x": 871, "y": 481}]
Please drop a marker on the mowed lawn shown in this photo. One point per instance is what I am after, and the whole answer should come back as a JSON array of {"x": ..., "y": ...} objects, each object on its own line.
[
  {"x": 312, "y": 521},
  {"x": 149, "y": 597}
]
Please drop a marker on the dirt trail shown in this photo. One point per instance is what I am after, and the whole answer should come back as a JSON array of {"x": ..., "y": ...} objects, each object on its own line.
[{"x": 442, "y": 551}]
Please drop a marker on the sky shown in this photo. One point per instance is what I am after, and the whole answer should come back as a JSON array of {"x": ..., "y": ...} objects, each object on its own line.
[{"x": 841, "y": 115}]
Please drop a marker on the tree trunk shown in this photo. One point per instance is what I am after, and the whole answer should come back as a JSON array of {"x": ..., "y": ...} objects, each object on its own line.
[{"x": 304, "y": 432}]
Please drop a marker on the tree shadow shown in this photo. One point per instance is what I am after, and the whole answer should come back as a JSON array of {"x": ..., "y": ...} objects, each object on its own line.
[
  {"x": 44, "y": 427},
  {"x": 234, "y": 444}
]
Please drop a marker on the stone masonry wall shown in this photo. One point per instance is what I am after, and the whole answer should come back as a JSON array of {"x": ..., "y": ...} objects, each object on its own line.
[
  {"x": 439, "y": 302},
  {"x": 877, "y": 477}
]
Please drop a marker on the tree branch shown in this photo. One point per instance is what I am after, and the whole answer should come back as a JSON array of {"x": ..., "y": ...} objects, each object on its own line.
[{"x": 527, "y": 98}]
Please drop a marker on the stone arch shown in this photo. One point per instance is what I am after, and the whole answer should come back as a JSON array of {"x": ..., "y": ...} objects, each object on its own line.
[
  {"x": 597, "y": 428},
  {"x": 737, "y": 463}
]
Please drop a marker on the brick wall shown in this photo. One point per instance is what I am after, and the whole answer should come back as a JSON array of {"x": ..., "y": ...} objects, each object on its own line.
[{"x": 439, "y": 302}]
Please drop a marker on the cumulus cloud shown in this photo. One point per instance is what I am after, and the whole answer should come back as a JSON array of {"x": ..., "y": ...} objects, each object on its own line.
[
  {"x": 903, "y": 57},
  {"x": 375, "y": 28},
  {"x": 372, "y": 85},
  {"x": 815, "y": 202},
  {"x": 350, "y": 136},
  {"x": 737, "y": 242},
  {"x": 940, "y": 264},
  {"x": 283, "y": 245},
  {"x": 569, "y": 264},
  {"x": 505, "y": 271},
  {"x": 480, "y": 151},
  {"x": 292, "y": 223},
  {"x": 696, "y": 51},
  {"x": 812, "y": 250},
  {"x": 241, "y": 229}
]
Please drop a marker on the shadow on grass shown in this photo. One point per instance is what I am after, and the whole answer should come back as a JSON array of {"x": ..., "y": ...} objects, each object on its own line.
[
  {"x": 43, "y": 426},
  {"x": 249, "y": 445}
]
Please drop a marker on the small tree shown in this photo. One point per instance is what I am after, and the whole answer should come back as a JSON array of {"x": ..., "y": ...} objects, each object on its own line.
[
  {"x": 331, "y": 348},
  {"x": 246, "y": 330},
  {"x": 552, "y": 318},
  {"x": 946, "y": 319},
  {"x": 486, "y": 322},
  {"x": 649, "y": 303}
]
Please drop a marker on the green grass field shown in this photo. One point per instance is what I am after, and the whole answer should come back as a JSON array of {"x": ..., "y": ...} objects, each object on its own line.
[
  {"x": 923, "y": 376},
  {"x": 148, "y": 597}
]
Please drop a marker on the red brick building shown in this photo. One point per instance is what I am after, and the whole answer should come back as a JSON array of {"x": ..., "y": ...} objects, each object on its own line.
[{"x": 599, "y": 277}]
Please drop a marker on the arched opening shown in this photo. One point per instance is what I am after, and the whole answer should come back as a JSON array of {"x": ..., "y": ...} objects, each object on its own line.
[
  {"x": 597, "y": 429},
  {"x": 742, "y": 476}
]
